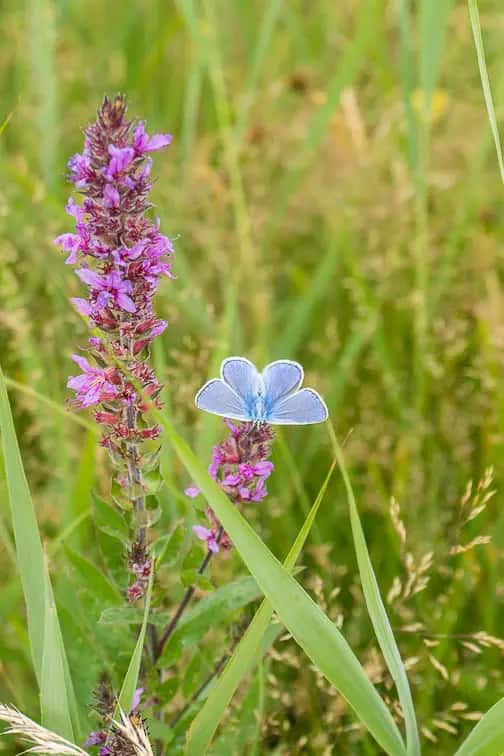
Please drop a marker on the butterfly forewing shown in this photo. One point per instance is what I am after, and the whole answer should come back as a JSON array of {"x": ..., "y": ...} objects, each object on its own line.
[
  {"x": 241, "y": 375},
  {"x": 281, "y": 378},
  {"x": 302, "y": 408},
  {"x": 217, "y": 397}
]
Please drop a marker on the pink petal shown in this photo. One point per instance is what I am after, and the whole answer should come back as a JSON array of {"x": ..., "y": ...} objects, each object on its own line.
[
  {"x": 92, "y": 396},
  {"x": 213, "y": 545},
  {"x": 89, "y": 277},
  {"x": 158, "y": 141},
  {"x": 82, "y": 362},
  {"x": 126, "y": 303},
  {"x": 204, "y": 534},
  {"x": 81, "y": 305},
  {"x": 192, "y": 492}
]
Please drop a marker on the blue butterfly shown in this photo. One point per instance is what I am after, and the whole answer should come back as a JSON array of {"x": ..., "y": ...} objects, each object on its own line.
[{"x": 273, "y": 396}]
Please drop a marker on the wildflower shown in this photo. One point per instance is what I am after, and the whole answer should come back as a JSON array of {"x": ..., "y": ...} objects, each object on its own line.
[
  {"x": 240, "y": 466},
  {"x": 97, "y": 737},
  {"x": 120, "y": 255},
  {"x": 93, "y": 385},
  {"x": 207, "y": 535}
]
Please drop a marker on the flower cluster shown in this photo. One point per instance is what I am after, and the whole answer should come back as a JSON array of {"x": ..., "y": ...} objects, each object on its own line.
[
  {"x": 121, "y": 256},
  {"x": 240, "y": 466},
  {"x": 112, "y": 742}
]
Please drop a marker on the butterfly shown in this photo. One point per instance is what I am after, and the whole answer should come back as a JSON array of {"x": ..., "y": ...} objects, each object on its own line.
[{"x": 273, "y": 396}]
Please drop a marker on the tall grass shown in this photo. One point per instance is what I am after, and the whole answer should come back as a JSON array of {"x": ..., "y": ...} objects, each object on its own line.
[{"x": 334, "y": 189}]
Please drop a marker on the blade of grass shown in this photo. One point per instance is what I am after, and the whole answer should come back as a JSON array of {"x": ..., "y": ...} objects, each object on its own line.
[
  {"x": 205, "y": 724},
  {"x": 55, "y": 406},
  {"x": 432, "y": 25},
  {"x": 296, "y": 479},
  {"x": 485, "y": 81},
  {"x": 299, "y": 322},
  {"x": 310, "y": 627},
  {"x": 349, "y": 60},
  {"x": 53, "y": 696},
  {"x": 264, "y": 37},
  {"x": 376, "y": 609},
  {"x": 45, "y": 85},
  {"x": 487, "y": 737},
  {"x": 131, "y": 678},
  {"x": 31, "y": 561},
  {"x": 407, "y": 80}
]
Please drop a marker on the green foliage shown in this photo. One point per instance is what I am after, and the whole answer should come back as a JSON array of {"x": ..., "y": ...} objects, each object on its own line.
[
  {"x": 334, "y": 189},
  {"x": 311, "y": 628},
  {"x": 245, "y": 654},
  {"x": 47, "y": 649}
]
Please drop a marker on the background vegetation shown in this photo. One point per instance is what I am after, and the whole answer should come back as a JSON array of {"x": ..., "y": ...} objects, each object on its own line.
[{"x": 324, "y": 212}]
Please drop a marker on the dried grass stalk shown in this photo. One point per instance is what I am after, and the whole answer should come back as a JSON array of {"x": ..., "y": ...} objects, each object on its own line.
[{"x": 44, "y": 741}]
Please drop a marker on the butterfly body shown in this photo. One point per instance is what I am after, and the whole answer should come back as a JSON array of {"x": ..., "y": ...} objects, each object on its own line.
[{"x": 273, "y": 396}]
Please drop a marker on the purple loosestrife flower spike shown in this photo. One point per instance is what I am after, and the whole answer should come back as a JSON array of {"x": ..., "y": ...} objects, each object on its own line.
[
  {"x": 121, "y": 256},
  {"x": 241, "y": 467}
]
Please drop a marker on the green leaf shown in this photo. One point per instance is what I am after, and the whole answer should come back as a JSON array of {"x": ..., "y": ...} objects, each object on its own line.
[
  {"x": 109, "y": 520},
  {"x": 246, "y": 653},
  {"x": 53, "y": 700},
  {"x": 310, "y": 627},
  {"x": 93, "y": 579},
  {"x": 307, "y": 623},
  {"x": 376, "y": 609},
  {"x": 34, "y": 575},
  {"x": 167, "y": 548},
  {"x": 197, "y": 620},
  {"x": 209, "y": 612},
  {"x": 487, "y": 737},
  {"x": 485, "y": 82},
  {"x": 131, "y": 679}
]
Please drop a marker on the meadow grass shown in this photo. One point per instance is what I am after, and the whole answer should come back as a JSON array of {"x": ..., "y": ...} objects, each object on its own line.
[{"x": 336, "y": 197}]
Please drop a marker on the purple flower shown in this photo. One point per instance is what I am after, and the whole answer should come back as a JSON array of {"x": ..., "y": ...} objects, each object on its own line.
[
  {"x": 81, "y": 305},
  {"x": 192, "y": 492},
  {"x": 111, "y": 197},
  {"x": 70, "y": 243},
  {"x": 135, "y": 701},
  {"x": 143, "y": 143},
  {"x": 110, "y": 289},
  {"x": 92, "y": 386},
  {"x": 80, "y": 169},
  {"x": 121, "y": 158},
  {"x": 204, "y": 534},
  {"x": 105, "y": 751},
  {"x": 96, "y": 738},
  {"x": 240, "y": 466},
  {"x": 260, "y": 490},
  {"x": 121, "y": 255}
]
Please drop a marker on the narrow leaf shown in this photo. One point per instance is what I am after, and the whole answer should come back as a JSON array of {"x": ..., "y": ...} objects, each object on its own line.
[
  {"x": 246, "y": 653},
  {"x": 485, "y": 82},
  {"x": 487, "y": 738},
  {"x": 131, "y": 679},
  {"x": 53, "y": 696},
  {"x": 376, "y": 609},
  {"x": 311, "y": 628},
  {"x": 32, "y": 566}
]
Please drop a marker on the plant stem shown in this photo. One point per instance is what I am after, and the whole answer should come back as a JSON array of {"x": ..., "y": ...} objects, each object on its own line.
[
  {"x": 135, "y": 481},
  {"x": 172, "y": 625},
  {"x": 213, "y": 674}
]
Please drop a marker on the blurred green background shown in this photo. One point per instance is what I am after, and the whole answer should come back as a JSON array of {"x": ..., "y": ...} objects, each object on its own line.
[{"x": 334, "y": 192}]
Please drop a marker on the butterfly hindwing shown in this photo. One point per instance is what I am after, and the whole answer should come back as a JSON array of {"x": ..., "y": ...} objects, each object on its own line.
[
  {"x": 217, "y": 397},
  {"x": 304, "y": 407}
]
